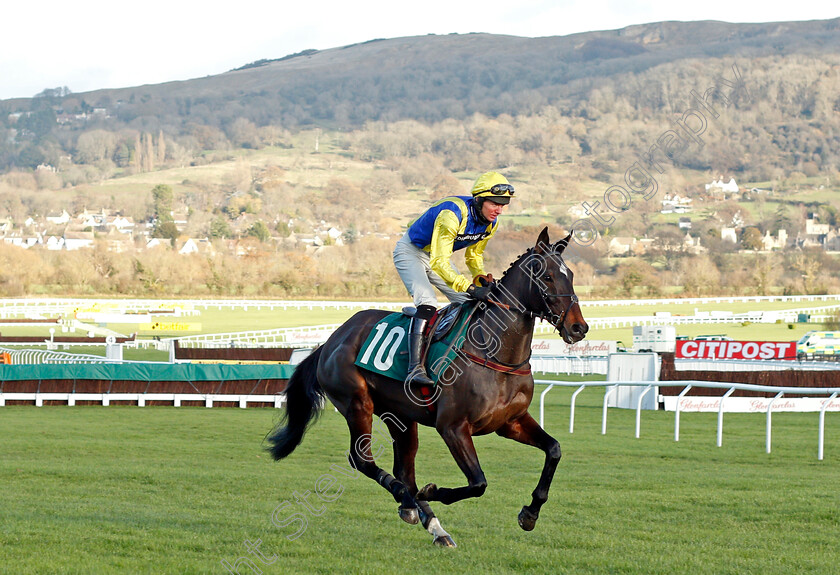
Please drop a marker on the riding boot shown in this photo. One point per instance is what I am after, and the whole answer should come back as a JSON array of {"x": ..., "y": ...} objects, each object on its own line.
[{"x": 416, "y": 370}]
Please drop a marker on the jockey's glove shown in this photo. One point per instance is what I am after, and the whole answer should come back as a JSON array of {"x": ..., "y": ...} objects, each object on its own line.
[
  {"x": 483, "y": 280},
  {"x": 480, "y": 293}
]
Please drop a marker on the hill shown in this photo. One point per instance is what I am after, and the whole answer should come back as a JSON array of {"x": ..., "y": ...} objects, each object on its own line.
[
  {"x": 360, "y": 138},
  {"x": 433, "y": 77}
]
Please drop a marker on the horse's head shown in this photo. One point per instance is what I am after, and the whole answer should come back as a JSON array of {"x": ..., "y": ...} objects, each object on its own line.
[{"x": 543, "y": 284}]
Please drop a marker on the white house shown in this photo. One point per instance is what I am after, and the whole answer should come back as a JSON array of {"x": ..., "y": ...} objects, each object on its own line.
[
  {"x": 55, "y": 243},
  {"x": 120, "y": 223},
  {"x": 778, "y": 243},
  {"x": 676, "y": 204},
  {"x": 187, "y": 246},
  {"x": 59, "y": 219},
  {"x": 692, "y": 245},
  {"x": 812, "y": 228},
  {"x": 721, "y": 187},
  {"x": 728, "y": 235},
  {"x": 621, "y": 246},
  {"x": 155, "y": 243},
  {"x": 78, "y": 240}
]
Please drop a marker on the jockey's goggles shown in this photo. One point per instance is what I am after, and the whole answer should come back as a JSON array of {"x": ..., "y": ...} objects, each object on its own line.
[{"x": 501, "y": 190}]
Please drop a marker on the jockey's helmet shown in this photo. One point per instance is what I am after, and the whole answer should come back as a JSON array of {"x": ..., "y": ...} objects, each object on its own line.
[{"x": 492, "y": 186}]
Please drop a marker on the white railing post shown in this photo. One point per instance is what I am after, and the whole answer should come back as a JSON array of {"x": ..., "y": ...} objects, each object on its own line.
[
  {"x": 572, "y": 409},
  {"x": 604, "y": 416},
  {"x": 720, "y": 417},
  {"x": 769, "y": 415},
  {"x": 542, "y": 404},
  {"x": 639, "y": 410},
  {"x": 821, "y": 440},
  {"x": 677, "y": 413}
]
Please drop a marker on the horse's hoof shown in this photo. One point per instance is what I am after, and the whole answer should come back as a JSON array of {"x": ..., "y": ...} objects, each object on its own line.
[
  {"x": 445, "y": 541},
  {"x": 409, "y": 515},
  {"x": 427, "y": 493},
  {"x": 527, "y": 519}
]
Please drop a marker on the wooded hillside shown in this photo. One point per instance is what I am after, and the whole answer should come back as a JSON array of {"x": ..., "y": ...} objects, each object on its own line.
[{"x": 277, "y": 147}]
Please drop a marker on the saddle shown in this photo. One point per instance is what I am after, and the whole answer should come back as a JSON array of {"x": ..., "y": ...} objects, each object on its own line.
[{"x": 441, "y": 322}]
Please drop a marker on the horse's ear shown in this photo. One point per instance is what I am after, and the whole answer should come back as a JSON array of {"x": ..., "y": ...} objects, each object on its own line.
[
  {"x": 542, "y": 241},
  {"x": 563, "y": 244}
]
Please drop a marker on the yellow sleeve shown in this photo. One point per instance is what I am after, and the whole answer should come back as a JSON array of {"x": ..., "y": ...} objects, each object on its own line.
[
  {"x": 474, "y": 254},
  {"x": 440, "y": 250}
]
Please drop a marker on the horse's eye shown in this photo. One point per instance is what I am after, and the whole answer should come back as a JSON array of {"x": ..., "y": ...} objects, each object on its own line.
[{"x": 547, "y": 278}]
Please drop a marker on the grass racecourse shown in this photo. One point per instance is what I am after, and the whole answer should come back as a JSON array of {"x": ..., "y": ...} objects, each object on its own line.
[{"x": 180, "y": 490}]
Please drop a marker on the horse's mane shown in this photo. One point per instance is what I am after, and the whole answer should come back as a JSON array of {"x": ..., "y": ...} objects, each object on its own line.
[{"x": 562, "y": 244}]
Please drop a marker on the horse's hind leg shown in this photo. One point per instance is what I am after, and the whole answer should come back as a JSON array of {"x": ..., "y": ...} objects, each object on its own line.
[
  {"x": 526, "y": 430},
  {"x": 359, "y": 415},
  {"x": 405, "y": 450}
]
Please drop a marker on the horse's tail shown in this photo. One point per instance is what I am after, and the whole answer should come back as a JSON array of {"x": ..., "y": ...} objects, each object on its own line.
[{"x": 304, "y": 398}]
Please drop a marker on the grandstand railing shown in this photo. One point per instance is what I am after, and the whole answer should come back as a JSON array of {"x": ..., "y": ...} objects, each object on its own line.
[
  {"x": 41, "y": 356},
  {"x": 18, "y": 306},
  {"x": 611, "y": 386},
  {"x": 141, "y": 398}
]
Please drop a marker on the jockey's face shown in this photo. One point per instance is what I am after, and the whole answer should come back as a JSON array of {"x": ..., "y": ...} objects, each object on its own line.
[{"x": 491, "y": 210}]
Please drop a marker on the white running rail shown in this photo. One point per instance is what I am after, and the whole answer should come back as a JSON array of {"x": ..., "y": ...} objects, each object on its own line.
[{"x": 610, "y": 386}]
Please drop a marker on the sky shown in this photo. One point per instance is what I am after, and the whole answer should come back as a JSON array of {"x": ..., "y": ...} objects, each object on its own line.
[{"x": 92, "y": 44}]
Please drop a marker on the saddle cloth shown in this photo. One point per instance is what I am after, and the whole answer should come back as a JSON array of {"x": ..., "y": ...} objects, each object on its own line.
[{"x": 385, "y": 350}]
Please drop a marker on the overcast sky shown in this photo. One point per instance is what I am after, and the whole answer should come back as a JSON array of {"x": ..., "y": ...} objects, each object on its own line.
[{"x": 91, "y": 44}]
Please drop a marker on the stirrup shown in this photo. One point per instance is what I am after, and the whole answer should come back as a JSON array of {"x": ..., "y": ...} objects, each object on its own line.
[{"x": 418, "y": 376}]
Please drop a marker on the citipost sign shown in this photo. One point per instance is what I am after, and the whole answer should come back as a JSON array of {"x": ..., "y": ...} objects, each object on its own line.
[{"x": 736, "y": 349}]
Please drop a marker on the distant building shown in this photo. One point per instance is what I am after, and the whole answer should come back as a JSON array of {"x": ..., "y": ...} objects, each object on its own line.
[
  {"x": 621, "y": 246},
  {"x": 674, "y": 203},
  {"x": 812, "y": 228},
  {"x": 728, "y": 235},
  {"x": 59, "y": 219},
  {"x": 78, "y": 240},
  {"x": 721, "y": 187},
  {"x": 770, "y": 243},
  {"x": 692, "y": 245}
]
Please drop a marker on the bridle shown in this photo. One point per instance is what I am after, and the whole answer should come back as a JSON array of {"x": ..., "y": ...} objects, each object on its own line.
[{"x": 547, "y": 314}]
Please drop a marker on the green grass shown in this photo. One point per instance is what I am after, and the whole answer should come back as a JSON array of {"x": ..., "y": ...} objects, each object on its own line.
[{"x": 166, "y": 490}]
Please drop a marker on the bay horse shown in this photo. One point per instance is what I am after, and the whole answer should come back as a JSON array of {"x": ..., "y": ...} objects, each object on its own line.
[{"x": 490, "y": 392}]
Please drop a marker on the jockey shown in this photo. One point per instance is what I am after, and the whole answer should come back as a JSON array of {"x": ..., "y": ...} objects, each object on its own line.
[{"x": 422, "y": 256}]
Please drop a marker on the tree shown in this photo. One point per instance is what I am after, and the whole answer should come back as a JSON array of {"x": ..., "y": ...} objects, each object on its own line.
[
  {"x": 808, "y": 265},
  {"x": 162, "y": 204},
  {"x": 162, "y": 198},
  {"x": 751, "y": 239},
  {"x": 637, "y": 274},
  {"x": 260, "y": 231},
  {"x": 350, "y": 235},
  {"x": 94, "y": 146},
  {"x": 219, "y": 228},
  {"x": 166, "y": 229},
  {"x": 700, "y": 276}
]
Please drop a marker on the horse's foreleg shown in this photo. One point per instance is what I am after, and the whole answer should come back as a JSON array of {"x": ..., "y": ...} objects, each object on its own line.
[
  {"x": 526, "y": 430},
  {"x": 405, "y": 450},
  {"x": 359, "y": 419},
  {"x": 460, "y": 444}
]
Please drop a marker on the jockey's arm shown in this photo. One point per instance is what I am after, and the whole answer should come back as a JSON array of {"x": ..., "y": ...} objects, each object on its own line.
[
  {"x": 440, "y": 250},
  {"x": 474, "y": 256}
]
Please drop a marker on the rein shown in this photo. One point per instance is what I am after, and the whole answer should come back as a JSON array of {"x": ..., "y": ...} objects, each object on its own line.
[{"x": 545, "y": 314}]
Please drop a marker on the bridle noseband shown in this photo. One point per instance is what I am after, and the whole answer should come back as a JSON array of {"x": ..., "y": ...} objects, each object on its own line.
[{"x": 548, "y": 315}]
